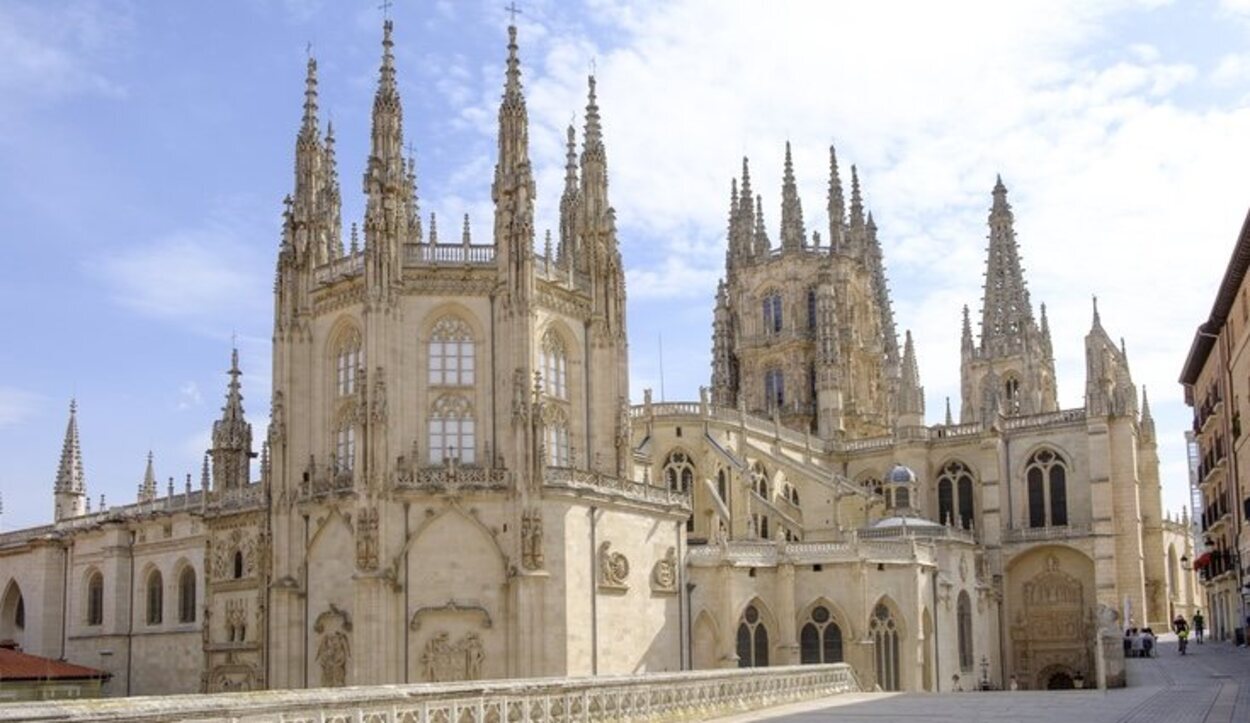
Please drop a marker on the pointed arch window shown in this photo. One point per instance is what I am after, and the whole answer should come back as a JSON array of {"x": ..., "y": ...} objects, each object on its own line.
[
  {"x": 752, "y": 639},
  {"x": 811, "y": 309},
  {"x": 453, "y": 434},
  {"x": 873, "y": 485},
  {"x": 95, "y": 599},
  {"x": 679, "y": 472},
  {"x": 12, "y": 611},
  {"x": 883, "y": 630},
  {"x": 1011, "y": 395},
  {"x": 772, "y": 313},
  {"x": 722, "y": 486},
  {"x": 347, "y": 359},
  {"x": 558, "y": 439},
  {"x": 555, "y": 362},
  {"x": 452, "y": 361},
  {"x": 186, "y": 595},
  {"x": 774, "y": 389},
  {"x": 759, "y": 476},
  {"x": 955, "y": 503},
  {"x": 155, "y": 598},
  {"x": 1046, "y": 476},
  {"x": 238, "y": 564},
  {"x": 820, "y": 640},
  {"x": 964, "y": 613},
  {"x": 345, "y": 447}
]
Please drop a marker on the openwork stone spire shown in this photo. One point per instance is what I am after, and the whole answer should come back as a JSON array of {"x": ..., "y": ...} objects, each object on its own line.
[
  {"x": 147, "y": 489},
  {"x": 836, "y": 205},
  {"x": 385, "y": 181},
  {"x": 792, "y": 232},
  {"x": 513, "y": 189},
  {"x": 232, "y": 436},
  {"x": 762, "y": 244},
  {"x": 568, "y": 204},
  {"x": 70, "y": 477},
  {"x": 70, "y": 489},
  {"x": 1007, "y": 313},
  {"x": 910, "y": 393},
  {"x": 332, "y": 201},
  {"x": 1147, "y": 424}
]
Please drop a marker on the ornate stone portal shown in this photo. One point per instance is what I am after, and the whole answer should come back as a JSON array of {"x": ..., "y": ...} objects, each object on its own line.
[{"x": 1050, "y": 634}]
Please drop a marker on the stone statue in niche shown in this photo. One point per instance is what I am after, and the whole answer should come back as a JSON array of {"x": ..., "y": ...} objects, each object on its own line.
[
  {"x": 367, "y": 539},
  {"x": 334, "y": 650},
  {"x": 664, "y": 574},
  {"x": 613, "y": 568},
  {"x": 442, "y": 661},
  {"x": 236, "y": 621},
  {"x": 532, "y": 540},
  {"x": 378, "y": 413}
]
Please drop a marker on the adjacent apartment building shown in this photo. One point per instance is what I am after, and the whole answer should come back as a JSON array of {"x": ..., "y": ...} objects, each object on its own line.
[{"x": 1217, "y": 382}]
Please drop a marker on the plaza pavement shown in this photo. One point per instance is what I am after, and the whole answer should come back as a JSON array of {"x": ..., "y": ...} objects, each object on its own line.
[{"x": 1210, "y": 685}]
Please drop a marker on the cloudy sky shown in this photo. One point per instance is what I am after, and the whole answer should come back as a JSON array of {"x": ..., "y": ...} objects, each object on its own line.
[{"x": 145, "y": 149}]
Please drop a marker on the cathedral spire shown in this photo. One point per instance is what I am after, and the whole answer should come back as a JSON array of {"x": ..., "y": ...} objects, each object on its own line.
[
  {"x": 147, "y": 490},
  {"x": 1047, "y": 348},
  {"x": 762, "y": 244},
  {"x": 910, "y": 393},
  {"x": 568, "y": 203},
  {"x": 1147, "y": 425},
  {"x": 594, "y": 160},
  {"x": 70, "y": 488},
  {"x": 1097, "y": 322},
  {"x": 744, "y": 248},
  {"x": 732, "y": 234},
  {"x": 309, "y": 129},
  {"x": 1007, "y": 314},
  {"x": 950, "y": 420},
  {"x": 836, "y": 205},
  {"x": 385, "y": 180},
  {"x": 232, "y": 436},
  {"x": 967, "y": 345},
  {"x": 333, "y": 203},
  {"x": 792, "y": 232}
]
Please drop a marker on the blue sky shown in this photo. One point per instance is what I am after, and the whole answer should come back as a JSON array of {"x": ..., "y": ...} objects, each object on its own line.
[{"x": 145, "y": 149}]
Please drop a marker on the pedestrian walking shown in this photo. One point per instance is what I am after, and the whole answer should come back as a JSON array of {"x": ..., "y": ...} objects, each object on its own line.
[{"x": 1200, "y": 624}]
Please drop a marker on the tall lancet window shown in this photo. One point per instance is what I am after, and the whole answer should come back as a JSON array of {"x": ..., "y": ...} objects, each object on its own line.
[
  {"x": 452, "y": 430},
  {"x": 774, "y": 389},
  {"x": 347, "y": 359},
  {"x": 1046, "y": 476},
  {"x": 558, "y": 438},
  {"x": 345, "y": 446},
  {"x": 679, "y": 472},
  {"x": 772, "y": 313},
  {"x": 1011, "y": 395},
  {"x": 555, "y": 361},
  {"x": 955, "y": 503},
  {"x": 452, "y": 360}
]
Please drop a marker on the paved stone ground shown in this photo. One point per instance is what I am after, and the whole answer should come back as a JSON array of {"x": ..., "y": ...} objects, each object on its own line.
[{"x": 1210, "y": 685}]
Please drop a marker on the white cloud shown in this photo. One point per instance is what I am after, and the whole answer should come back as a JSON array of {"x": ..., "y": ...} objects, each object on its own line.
[
  {"x": 193, "y": 274},
  {"x": 16, "y": 405},
  {"x": 189, "y": 395},
  {"x": 54, "y": 51}
]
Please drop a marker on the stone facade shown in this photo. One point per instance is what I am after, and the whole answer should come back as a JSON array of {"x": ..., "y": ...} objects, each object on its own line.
[{"x": 453, "y": 485}]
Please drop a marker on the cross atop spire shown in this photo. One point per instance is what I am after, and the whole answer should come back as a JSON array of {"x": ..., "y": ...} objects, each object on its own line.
[
  {"x": 385, "y": 7},
  {"x": 513, "y": 11}
]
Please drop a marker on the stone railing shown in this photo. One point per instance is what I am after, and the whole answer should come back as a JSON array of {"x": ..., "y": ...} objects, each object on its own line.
[
  {"x": 340, "y": 268},
  {"x": 320, "y": 482},
  {"x": 1040, "y": 534},
  {"x": 1063, "y": 416},
  {"x": 453, "y": 479},
  {"x": 240, "y": 497},
  {"x": 760, "y": 553},
  {"x": 606, "y": 484},
  {"x": 691, "y": 695},
  {"x": 470, "y": 254}
]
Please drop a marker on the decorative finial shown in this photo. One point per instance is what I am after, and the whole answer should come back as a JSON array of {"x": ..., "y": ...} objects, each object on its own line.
[{"x": 513, "y": 11}]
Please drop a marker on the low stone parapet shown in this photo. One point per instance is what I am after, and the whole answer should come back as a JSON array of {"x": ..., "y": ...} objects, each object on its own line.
[{"x": 655, "y": 696}]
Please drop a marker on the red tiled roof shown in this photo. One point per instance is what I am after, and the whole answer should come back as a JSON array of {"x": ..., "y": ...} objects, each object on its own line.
[{"x": 15, "y": 665}]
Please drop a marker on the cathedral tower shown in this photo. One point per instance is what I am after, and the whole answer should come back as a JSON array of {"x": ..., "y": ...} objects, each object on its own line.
[{"x": 805, "y": 332}]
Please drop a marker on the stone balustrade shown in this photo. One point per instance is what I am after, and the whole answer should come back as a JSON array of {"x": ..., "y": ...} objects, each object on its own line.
[
  {"x": 690, "y": 695},
  {"x": 448, "y": 478},
  {"x": 744, "y": 553},
  {"x": 570, "y": 478},
  {"x": 1040, "y": 534}
]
